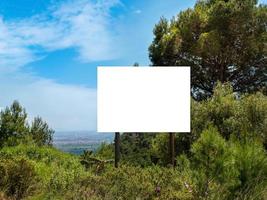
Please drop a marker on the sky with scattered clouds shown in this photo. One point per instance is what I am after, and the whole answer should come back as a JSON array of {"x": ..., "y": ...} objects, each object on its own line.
[{"x": 50, "y": 50}]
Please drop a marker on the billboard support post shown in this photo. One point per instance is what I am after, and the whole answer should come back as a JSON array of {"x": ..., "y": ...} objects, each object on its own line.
[{"x": 117, "y": 148}]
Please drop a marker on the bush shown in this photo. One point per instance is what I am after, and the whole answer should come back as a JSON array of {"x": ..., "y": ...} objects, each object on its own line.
[
  {"x": 57, "y": 171},
  {"x": 18, "y": 178},
  {"x": 213, "y": 164},
  {"x": 251, "y": 163},
  {"x": 223, "y": 169},
  {"x": 129, "y": 182},
  {"x": 242, "y": 116},
  {"x": 135, "y": 149},
  {"x": 105, "y": 151}
]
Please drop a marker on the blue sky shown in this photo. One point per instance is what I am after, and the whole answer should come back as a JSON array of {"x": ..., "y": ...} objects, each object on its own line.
[
  {"x": 129, "y": 25},
  {"x": 50, "y": 49}
]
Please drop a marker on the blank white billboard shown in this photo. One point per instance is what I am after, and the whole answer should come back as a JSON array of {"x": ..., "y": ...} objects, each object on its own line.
[{"x": 143, "y": 99}]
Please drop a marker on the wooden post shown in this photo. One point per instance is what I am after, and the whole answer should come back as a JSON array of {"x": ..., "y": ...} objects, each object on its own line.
[
  {"x": 117, "y": 149},
  {"x": 171, "y": 149}
]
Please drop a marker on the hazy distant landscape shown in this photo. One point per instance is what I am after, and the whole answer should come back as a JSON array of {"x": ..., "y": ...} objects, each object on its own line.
[{"x": 77, "y": 141}]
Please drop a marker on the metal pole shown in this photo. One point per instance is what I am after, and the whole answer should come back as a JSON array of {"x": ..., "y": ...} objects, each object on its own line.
[
  {"x": 171, "y": 149},
  {"x": 117, "y": 149}
]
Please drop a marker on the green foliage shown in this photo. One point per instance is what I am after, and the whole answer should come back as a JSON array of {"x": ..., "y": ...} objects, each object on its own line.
[
  {"x": 243, "y": 117},
  {"x": 61, "y": 176},
  {"x": 223, "y": 169},
  {"x": 105, "y": 151},
  {"x": 56, "y": 171},
  {"x": 129, "y": 182},
  {"x": 215, "y": 169},
  {"x": 251, "y": 163},
  {"x": 89, "y": 161},
  {"x": 222, "y": 158},
  {"x": 14, "y": 128},
  {"x": 135, "y": 148},
  {"x": 18, "y": 178},
  {"x": 13, "y": 124},
  {"x": 220, "y": 40},
  {"x": 40, "y": 132},
  {"x": 160, "y": 149},
  {"x": 213, "y": 163}
]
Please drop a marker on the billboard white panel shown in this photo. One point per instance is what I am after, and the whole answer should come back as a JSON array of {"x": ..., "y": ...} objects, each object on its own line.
[{"x": 143, "y": 99}]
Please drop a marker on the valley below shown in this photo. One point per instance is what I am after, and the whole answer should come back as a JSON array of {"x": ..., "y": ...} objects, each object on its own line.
[{"x": 76, "y": 142}]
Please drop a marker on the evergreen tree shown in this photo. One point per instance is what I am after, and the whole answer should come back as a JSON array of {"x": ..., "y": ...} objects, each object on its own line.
[
  {"x": 40, "y": 132},
  {"x": 13, "y": 122},
  {"x": 221, "y": 40},
  {"x": 14, "y": 128}
]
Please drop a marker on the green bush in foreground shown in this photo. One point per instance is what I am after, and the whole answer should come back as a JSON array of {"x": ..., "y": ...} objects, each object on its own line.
[
  {"x": 224, "y": 169},
  {"x": 213, "y": 163},
  {"x": 217, "y": 169},
  {"x": 56, "y": 171},
  {"x": 61, "y": 176},
  {"x": 129, "y": 182},
  {"x": 18, "y": 177}
]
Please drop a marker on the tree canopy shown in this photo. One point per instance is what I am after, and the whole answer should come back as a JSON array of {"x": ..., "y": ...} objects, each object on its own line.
[
  {"x": 13, "y": 122},
  {"x": 222, "y": 40},
  {"x": 14, "y": 127}
]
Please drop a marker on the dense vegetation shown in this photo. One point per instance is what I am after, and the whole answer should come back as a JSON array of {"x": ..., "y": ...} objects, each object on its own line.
[
  {"x": 224, "y": 156},
  {"x": 221, "y": 40}
]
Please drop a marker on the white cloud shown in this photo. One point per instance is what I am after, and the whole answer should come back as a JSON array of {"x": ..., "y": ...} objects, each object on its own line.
[
  {"x": 64, "y": 107},
  {"x": 12, "y": 52},
  {"x": 79, "y": 24}
]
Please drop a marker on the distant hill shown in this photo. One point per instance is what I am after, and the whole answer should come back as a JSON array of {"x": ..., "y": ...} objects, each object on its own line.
[{"x": 77, "y": 141}]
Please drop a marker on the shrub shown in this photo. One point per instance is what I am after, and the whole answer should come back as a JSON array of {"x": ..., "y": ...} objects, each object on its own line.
[
  {"x": 251, "y": 163},
  {"x": 18, "y": 178},
  {"x": 223, "y": 169},
  {"x": 213, "y": 163},
  {"x": 242, "y": 116},
  {"x": 105, "y": 151},
  {"x": 129, "y": 182}
]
